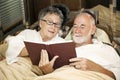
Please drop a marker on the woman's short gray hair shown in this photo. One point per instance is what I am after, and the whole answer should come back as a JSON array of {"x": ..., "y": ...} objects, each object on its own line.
[{"x": 50, "y": 10}]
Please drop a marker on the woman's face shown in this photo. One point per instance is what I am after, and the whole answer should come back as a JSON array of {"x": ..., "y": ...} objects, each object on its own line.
[{"x": 50, "y": 26}]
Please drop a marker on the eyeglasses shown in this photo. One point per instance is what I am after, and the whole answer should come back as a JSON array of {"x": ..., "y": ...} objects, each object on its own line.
[{"x": 57, "y": 25}]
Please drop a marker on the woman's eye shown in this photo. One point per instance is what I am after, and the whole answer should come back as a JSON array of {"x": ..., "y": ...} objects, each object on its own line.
[{"x": 50, "y": 22}]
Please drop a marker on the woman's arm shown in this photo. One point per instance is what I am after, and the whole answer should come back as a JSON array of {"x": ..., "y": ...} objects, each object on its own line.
[{"x": 24, "y": 52}]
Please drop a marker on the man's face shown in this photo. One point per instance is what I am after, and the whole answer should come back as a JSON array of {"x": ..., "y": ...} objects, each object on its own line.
[
  {"x": 82, "y": 29},
  {"x": 50, "y": 26}
]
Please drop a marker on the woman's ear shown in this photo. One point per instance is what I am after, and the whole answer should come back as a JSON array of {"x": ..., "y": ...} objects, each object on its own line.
[{"x": 40, "y": 23}]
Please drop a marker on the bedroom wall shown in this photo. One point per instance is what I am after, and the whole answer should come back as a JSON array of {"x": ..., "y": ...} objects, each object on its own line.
[
  {"x": 10, "y": 17},
  {"x": 32, "y": 7}
]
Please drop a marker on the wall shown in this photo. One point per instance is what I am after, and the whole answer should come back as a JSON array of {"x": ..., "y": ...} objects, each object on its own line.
[{"x": 10, "y": 16}]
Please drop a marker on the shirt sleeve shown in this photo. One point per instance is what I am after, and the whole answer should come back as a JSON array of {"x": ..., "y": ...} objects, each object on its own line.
[
  {"x": 115, "y": 62},
  {"x": 15, "y": 45}
]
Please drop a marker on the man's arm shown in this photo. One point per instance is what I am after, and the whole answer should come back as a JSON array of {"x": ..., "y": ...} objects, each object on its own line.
[{"x": 85, "y": 64}]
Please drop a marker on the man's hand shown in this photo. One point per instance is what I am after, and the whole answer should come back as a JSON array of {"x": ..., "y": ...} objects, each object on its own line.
[
  {"x": 85, "y": 64},
  {"x": 45, "y": 65}
]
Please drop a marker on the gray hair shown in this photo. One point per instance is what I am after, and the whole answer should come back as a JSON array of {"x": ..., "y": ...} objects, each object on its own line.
[
  {"x": 50, "y": 10},
  {"x": 91, "y": 13}
]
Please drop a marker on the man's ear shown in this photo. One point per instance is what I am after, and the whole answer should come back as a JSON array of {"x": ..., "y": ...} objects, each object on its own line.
[{"x": 94, "y": 29}]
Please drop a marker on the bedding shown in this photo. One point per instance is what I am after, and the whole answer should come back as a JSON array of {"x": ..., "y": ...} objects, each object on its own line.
[
  {"x": 70, "y": 73},
  {"x": 23, "y": 70},
  {"x": 3, "y": 47},
  {"x": 17, "y": 71}
]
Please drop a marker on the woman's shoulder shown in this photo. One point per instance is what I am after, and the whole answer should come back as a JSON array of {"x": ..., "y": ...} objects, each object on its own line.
[{"x": 29, "y": 30}]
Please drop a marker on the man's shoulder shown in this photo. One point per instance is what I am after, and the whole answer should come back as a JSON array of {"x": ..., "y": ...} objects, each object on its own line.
[
  {"x": 95, "y": 41},
  {"x": 106, "y": 46}
]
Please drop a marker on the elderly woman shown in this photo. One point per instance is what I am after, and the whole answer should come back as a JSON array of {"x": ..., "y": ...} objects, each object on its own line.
[{"x": 50, "y": 21}]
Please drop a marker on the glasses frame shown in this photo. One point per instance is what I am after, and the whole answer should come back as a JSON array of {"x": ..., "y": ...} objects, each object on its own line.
[{"x": 50, "y": 23}]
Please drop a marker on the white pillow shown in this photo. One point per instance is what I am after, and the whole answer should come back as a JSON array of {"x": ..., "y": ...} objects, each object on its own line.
[
  {"x": 100, "y": 35},
  {"x": 3, "y": 48}
]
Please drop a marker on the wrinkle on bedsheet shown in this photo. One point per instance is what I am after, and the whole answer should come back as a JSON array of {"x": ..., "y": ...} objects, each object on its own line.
[
  {"x": 70, "y": 73},
  {"x": 16, "y": 71},
  {"x": 23, "y": 70}
]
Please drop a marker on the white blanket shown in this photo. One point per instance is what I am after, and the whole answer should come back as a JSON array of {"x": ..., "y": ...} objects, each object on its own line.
[{"x": 22, "y": 70}]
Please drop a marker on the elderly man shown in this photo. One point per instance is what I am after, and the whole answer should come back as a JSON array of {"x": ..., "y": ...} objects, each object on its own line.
[{"x": 91, "y": 54}]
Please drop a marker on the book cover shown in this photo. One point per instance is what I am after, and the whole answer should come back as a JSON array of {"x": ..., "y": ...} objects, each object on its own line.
[{"x": 65, "y": 51}]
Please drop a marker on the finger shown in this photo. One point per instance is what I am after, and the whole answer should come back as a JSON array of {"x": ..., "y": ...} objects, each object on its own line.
[
  {"x": 45, "y": 56},
  {"x": 77, "y": 66},
  {"x": 74, "y": 63},
  {"x": 42, "y": 58},
  {"x": 53, "y": 60},
  {"x": 75, "y": 59}
]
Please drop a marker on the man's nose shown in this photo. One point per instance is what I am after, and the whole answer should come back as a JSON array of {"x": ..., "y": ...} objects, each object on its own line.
[{"x": 78, "y": 30}]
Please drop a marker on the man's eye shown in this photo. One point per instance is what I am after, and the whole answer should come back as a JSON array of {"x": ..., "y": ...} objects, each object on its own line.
[
  {"x": 82, "y": 26},
  {"x": 74, "y": 26}
]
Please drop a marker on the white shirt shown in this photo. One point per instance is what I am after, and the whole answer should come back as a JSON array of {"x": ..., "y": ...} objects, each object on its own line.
[
  {"x": 102, "y": 54},
  {"x": 16, "y": 43}
]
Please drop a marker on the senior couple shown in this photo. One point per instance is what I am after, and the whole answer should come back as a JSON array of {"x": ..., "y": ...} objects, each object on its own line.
[{"x": 92, "y": 55}]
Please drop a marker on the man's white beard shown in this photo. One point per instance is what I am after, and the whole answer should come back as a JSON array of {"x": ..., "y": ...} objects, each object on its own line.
[{"x": 80, "y": 39}]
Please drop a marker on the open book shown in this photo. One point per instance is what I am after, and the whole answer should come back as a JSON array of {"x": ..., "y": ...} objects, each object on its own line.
[{"x": 65, "y": 51}]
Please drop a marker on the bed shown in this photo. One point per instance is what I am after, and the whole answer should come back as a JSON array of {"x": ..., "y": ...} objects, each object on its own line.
[{"x": 24, "y": 70}]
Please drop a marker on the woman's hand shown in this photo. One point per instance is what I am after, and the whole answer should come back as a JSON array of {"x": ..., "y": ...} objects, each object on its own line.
[{"x": 45, "y": 65}]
